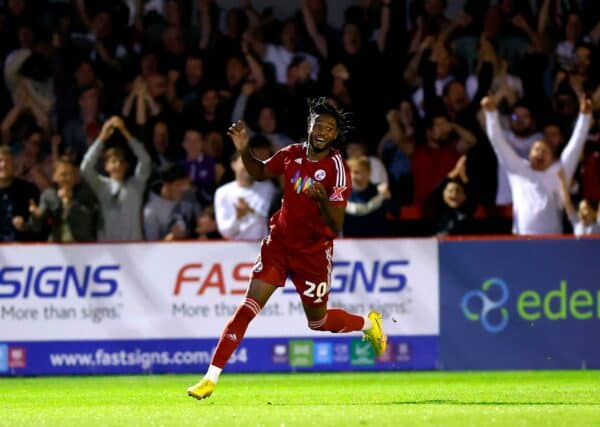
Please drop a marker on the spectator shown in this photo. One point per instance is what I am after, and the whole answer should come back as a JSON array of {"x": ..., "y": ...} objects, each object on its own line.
[
  {"x": 203, "y": 170},
  {"x": 82, "y": 131},
  {"x": 396, "y": 149},
  {"x": 170, "y": 214},
  {"x": 365, "y": 211},
  {"x": 68, "y": 207},
  {"x": 206, "y": 225},
  {"x": 15, "y": 196},
  {"x": 32, "y": 164},
  {"x": 444, "y": 143},
  {"x": 378, "y": 173},
  {"x": 535, "y": 184},
  {"x": 586, "y": 219},
  {"x": 241, "y": 206},
  {"x": 120, "y": 197},
  {"x": 454, "y": 213},
  {"x": 280, "y": 55},
  {"x": 521, "y": 136},
  {"x": 161, "y": 156}
]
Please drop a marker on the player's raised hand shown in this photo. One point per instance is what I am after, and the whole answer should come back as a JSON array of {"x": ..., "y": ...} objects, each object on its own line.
[
  {"x": 239, "y": 134},
  {"x": 316, "y": 192}
]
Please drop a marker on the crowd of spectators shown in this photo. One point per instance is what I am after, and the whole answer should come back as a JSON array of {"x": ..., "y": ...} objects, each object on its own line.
[{"x": 114, "y": 115}]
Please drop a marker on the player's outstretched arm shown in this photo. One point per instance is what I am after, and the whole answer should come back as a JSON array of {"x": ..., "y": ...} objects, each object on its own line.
[
  {"x": 333, "y": 215},
  {"x": 240, "y": 137}
]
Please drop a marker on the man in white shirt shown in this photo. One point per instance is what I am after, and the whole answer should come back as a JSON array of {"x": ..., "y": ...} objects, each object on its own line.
[
  {"x": 242, "y": 206},
  {"x": 534, "y": 182}
]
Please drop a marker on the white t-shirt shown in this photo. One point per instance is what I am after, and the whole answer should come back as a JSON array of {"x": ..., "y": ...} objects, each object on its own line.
[
  {"x": 253, "y": 226},
  {"x": 536, "y": 194},
  {"x": 281, "y": 58}
]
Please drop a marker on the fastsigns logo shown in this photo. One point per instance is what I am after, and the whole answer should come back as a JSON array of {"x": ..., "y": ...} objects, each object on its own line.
[{"x": 488, "y": 305}]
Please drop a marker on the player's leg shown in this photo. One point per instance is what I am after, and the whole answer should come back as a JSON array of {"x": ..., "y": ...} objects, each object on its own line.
[
  {"x": 337, "y": 320},
  {"x": 311, "y": 276},
  {"x": 256, "y": 297},
  {"x": 268, "y": 274}
]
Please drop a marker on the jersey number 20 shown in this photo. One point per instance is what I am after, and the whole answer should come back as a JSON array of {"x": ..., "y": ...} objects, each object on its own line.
[{"x": 316, "y": 291}]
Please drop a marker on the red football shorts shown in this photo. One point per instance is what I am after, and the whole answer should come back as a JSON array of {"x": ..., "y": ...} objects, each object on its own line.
[{"x": 310, "y": 270}]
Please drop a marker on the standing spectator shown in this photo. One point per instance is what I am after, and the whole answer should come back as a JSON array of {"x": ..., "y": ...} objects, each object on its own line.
[
  {"x": 81, "y": 131},
  {"x": 365, "y": 211},
  {"x": 521, "y": 136},
  {"x": 445, "y": 142},
  {"x": 15, "y": 196},
  {"x": 586, "y": 219},
  {"x": 242, "y": 206},
  {"x": 535, "y": 184},
  {"x": 32, "y": 164},
  {"x": 203, "y": 170},
  {"x": 171, "y": 213},
  {"x": 395, "y": 149},
  {"x": 120, "y": 197},
  {"x": 161, "y": 150},
  {"x": 68, "y": 207}
]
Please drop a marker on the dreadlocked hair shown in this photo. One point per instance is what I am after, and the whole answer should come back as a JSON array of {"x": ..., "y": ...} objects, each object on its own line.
[{"x": 323, "y": 105}]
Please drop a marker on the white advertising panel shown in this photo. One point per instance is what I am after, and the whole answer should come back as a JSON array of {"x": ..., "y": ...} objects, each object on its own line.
[{"x": 190, "y": 289}]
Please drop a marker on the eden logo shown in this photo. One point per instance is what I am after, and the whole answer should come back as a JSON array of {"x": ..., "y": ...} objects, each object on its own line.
[{"x": 487, "y": 305}]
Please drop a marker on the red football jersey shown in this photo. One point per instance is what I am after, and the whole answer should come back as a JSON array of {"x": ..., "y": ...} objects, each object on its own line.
[{"x": 299, "y": 220}]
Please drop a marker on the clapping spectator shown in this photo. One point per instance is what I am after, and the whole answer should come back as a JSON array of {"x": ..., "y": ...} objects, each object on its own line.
[
  {"x": 68, "y": 207},
  {"x": 120, "y": 196},
  {"x": 241, "y": 206}
]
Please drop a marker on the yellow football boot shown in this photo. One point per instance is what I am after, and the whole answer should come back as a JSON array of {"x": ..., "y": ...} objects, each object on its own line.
[
  {"x": 202, "y": 390},
  {"x": 375, "y": 335}
]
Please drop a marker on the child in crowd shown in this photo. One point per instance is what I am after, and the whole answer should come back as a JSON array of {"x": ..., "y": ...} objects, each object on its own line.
[
  {"x": 365, "y": 211},
  {"x": 586, "y": 219}
]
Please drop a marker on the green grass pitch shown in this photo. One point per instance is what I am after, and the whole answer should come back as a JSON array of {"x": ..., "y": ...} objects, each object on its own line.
[{"x": 559, "y": 398}]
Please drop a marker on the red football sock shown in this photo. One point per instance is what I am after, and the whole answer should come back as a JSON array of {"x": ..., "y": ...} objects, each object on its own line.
[
  {"x": 234, "y": 331},
  {"x": 338, "y": 320}
]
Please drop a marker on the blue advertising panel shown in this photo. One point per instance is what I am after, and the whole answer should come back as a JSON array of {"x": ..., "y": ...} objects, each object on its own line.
[
  {"x": 520, "y": 304},
  {"x": 187, "y": 355}
]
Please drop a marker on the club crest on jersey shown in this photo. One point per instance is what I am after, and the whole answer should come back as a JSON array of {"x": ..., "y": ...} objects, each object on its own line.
[
  {"x": 301, "y": 183},
  {"x": 338, "y": 194},
  {"x": 320, "y": 174}
]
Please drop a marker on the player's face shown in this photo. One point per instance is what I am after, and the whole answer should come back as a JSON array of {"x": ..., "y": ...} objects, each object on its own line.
[
  {"x": 322, "y": 131},
  {"x": 540, "y": 156}
]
